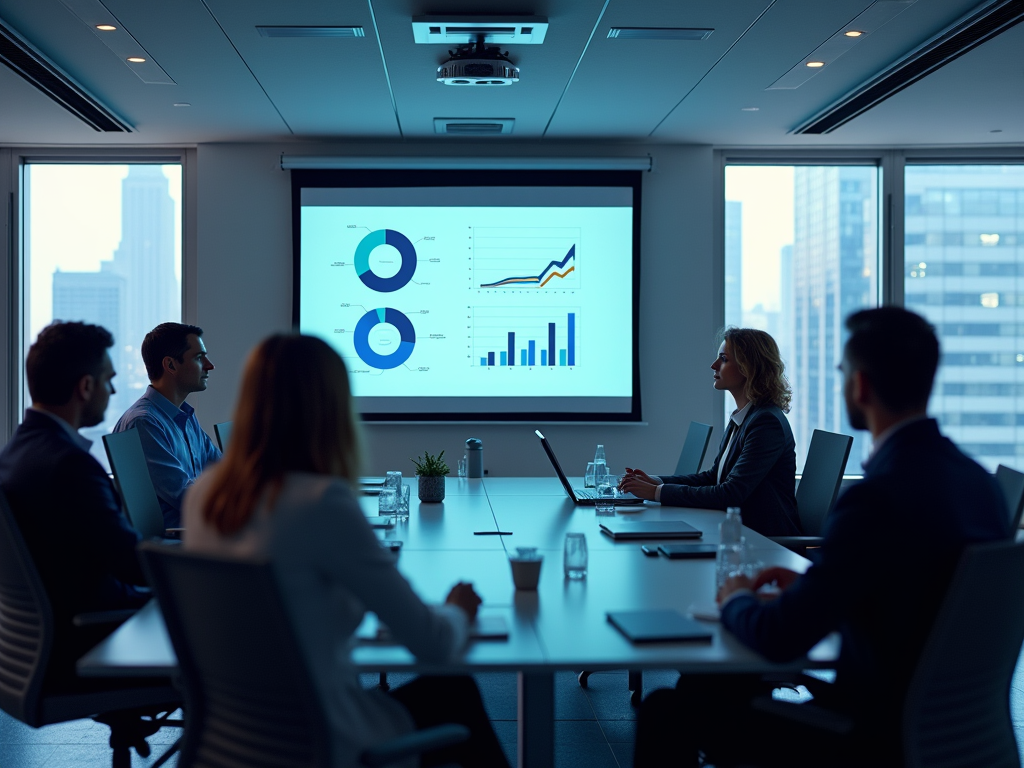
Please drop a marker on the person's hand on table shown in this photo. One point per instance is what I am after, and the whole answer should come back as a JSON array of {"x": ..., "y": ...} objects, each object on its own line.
[
  {"x": 733, "y": 584},
  {"x": 783, "y": 578},
  {"x": 639, "y": 483},
  {"x": 465, "y": 597}
]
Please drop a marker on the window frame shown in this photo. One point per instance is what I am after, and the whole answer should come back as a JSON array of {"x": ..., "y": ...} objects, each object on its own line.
[{"x": 13, "y": 161}]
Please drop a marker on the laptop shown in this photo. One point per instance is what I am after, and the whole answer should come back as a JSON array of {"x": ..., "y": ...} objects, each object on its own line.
[
  {"x": 583, "y": 496},
  {"x": 627, "y": 530}
]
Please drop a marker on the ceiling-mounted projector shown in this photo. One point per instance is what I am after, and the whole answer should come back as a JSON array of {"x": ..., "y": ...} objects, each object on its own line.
[{"x": 476, "y": 64}]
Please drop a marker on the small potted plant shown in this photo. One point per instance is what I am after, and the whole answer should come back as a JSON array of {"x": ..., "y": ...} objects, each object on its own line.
[{"x": 431, "y": 471}]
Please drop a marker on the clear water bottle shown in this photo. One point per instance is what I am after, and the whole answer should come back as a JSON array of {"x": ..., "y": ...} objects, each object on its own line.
[
  {"x": 600, "y": 463},
  {"x": 730, "y": 547}
]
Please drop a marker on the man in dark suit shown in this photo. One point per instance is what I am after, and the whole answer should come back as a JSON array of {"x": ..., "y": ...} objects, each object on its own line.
[
  {"x": 63, "y": 501},
  {"x": 890, "y": 549}
]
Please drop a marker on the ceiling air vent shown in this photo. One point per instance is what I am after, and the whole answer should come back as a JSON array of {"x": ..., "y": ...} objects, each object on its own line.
[
  {"x": 659, "y": 33},
  {"x": 45, "y": 77},
  {"x": 311, "y": 31},
  {"x": 473, "y": 126},
  {"x": 496, "y": 30},
  {"x": 968, "y": 33}
]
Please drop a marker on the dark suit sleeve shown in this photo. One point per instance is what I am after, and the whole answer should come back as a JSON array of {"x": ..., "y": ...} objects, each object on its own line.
[
  {"x": 95, "y": 521},
  {"x": 763, "y": 444},
  {"x": 788, "y": 627},
  {"x": 707, "y": 477}
]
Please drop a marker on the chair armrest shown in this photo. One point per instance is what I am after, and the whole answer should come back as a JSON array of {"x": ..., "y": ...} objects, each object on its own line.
[
  {"x": 95, "y": 618},
  {"x": 414, "y": 743},
  {"x": 797, "y": 543},
  {"x": 806, "y": 714}
]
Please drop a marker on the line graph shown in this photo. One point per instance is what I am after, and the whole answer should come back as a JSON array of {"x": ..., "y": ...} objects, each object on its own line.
[{"x": 526, "y": 257}]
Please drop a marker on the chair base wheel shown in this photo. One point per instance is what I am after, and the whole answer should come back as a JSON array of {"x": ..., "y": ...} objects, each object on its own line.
[{"x": 583, "y": 677}]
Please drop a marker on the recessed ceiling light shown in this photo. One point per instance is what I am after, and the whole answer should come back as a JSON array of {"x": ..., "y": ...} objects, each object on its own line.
[
  {"x": 749, "y": 109},
  {"x": 136, "y": 59},
  {"x": 106, "y": 27},
  {"x": 182, "y": 104},
  {"x": 815, "y": 64},
  {"x": 853, "y": 33}
]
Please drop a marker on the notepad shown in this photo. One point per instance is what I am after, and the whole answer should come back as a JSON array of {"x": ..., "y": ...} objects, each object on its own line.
[{"x": 657, "y": 626}]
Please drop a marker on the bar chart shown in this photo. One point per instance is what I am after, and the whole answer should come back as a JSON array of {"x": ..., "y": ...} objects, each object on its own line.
[
  {"x": 525, "y": 336},
  {"x": 526, "y": 257}
]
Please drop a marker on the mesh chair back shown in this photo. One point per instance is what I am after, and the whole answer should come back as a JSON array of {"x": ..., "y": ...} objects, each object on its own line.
[
  {"x": 250, "y": 701},
  {"x": 1012, "y": 483},
  {"x": 131, "y": 473},
  {"x": 223, "y": 432},
  {"x": 695, "y": 446},
  {"x": 957, "y": 710},
  {"x": 26, "y": 624},
  {"x": 823, "y": 474}
]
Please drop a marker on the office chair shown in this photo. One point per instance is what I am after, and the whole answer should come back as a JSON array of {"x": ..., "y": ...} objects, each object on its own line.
[
  {"x": 223, "y": 433},
  {"x": 1012, "y": 484},
  {"x": 250, "y": 698},
  {"x": 819, "y": 486},
  {"x": 695, "y": 446},
  {"x": 134, "y": 484},
  {"x": 26, "y": 639},
  {"x": 957, "y": 710}
]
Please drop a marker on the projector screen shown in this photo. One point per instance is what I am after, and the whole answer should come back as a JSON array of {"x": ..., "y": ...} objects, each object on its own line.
[{"x": 474, "y": 295}]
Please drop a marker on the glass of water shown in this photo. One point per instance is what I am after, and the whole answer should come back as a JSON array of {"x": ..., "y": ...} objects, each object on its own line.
[
  {"x": 402, "y": 503},
  {"x": 463, "y": 466},
  {"x": 589, "y": 479},
  {"x": 393, "y": 479},
  {"x": 607, "y": 492},
  {"x": 387, "y": 500},
  {"x": 575, "y": 556}
]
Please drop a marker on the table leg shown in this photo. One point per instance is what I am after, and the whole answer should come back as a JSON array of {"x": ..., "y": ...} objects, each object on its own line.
[{"x": 536, "y": 720}]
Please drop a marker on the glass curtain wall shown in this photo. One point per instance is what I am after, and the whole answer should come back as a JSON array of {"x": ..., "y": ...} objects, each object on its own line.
[
  {"x": 802, "y": 252},
  {"x": 102, "y": 244},
  {"x": 964, "y": 271}
]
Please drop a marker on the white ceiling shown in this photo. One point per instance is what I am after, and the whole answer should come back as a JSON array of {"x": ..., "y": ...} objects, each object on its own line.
[{"x": 577, "y": 85}]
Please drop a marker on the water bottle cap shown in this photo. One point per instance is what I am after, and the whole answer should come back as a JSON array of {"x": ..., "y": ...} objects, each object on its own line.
[
  {"x": 732, "y": 511},
  {"x": 474, "y": 444}
]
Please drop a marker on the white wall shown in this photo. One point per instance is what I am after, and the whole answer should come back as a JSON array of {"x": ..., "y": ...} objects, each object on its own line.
[{"x": 244, "y": 293}]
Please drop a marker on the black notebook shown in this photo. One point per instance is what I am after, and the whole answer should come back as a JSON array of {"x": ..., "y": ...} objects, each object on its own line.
[
  {"x": 649, "y": 529},
  {"x": 657, "y": 626}
]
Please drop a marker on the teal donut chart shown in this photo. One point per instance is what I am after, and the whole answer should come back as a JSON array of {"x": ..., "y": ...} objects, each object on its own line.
[
  {"x": 361, "y": 338},
  {"x": 400, "y": 243}
]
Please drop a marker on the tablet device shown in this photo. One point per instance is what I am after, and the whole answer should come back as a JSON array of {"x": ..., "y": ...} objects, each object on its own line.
[
  {"x": 649, "y": 529},
  {"x": 657, "y": 626},
  {"x": 687, "y": 551}
]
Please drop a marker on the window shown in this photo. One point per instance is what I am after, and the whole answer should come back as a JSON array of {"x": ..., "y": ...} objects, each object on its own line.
[
  {"x": 964, "y": 271},
  {"x": 102, "y": 244},
  {"x": 801, "y": 253}
]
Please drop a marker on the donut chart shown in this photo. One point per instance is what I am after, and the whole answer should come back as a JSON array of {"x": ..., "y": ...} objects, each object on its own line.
[
  {"x": 400, "y": 243},
  {"x": 361, "y": 337}
]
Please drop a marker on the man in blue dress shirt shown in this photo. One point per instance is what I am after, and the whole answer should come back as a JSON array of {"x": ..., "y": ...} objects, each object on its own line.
[
  {"x": 176, "y": 447},
  {"x": 890, "y": 548}
]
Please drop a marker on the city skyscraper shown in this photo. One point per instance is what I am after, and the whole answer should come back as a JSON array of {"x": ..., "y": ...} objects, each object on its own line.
[
  {"x": 834, "y": 265},
  {"x": 964, "y": 261}
]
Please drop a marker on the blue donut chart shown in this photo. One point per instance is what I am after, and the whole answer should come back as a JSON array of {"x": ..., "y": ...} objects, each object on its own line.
[
  {"x": 400, "y": 243},
  {"x": 361, "y": 337}
]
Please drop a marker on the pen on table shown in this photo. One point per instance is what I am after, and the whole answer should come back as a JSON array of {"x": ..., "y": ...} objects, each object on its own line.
[{"x": 492, "y": 533}]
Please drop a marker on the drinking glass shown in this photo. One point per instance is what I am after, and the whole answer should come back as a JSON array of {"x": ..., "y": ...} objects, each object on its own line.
[
  {"x": 393, "y": 479},
  {"x": 607, "y": 492},
  {"x": 575, "y": 556},
  {"x": 402, "y": 503},
  {"x": 463, "y": 466},
  {"x": 387, "y": 500},
  {"x": 589, "y": 480}
]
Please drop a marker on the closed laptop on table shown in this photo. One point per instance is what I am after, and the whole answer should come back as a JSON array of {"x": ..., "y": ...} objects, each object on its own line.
[
  {"x": 625, "y": 530},
  {"x": 657, "y": 626}
]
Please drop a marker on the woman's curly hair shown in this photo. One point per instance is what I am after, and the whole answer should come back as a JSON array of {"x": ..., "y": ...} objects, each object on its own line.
[{"x": 759, "y": 360}]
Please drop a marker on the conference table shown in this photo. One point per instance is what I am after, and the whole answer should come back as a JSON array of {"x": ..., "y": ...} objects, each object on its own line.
[{"x": 560, "y": 626}]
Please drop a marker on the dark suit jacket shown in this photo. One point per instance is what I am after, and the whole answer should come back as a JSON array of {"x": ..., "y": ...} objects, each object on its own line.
[
  {"x": 890, "y": 548},
  {"x": 759, "y": 476},
  {"x": 71, "y": 521}
]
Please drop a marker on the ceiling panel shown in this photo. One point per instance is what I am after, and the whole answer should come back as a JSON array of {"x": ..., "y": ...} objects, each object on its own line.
[
  {"x": 545, "y": 68},
  {"x": 322, "y": 86},
  {"x": 624, "y": 88}
]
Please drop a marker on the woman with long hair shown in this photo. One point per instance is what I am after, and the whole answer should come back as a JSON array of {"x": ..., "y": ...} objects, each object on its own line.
[
  {"x": 284, "y": 491},
  {"x": 755, "y": 469}
]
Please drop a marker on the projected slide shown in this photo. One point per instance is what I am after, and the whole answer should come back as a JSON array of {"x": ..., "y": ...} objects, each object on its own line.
[{"x": 523, "y": 297}]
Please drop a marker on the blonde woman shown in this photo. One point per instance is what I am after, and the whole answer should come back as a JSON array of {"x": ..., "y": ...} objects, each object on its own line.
[{"x": 755, "y": 469}]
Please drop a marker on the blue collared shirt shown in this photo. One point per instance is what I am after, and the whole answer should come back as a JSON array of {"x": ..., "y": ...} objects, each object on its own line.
[{"x": 176, "y": 447}]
